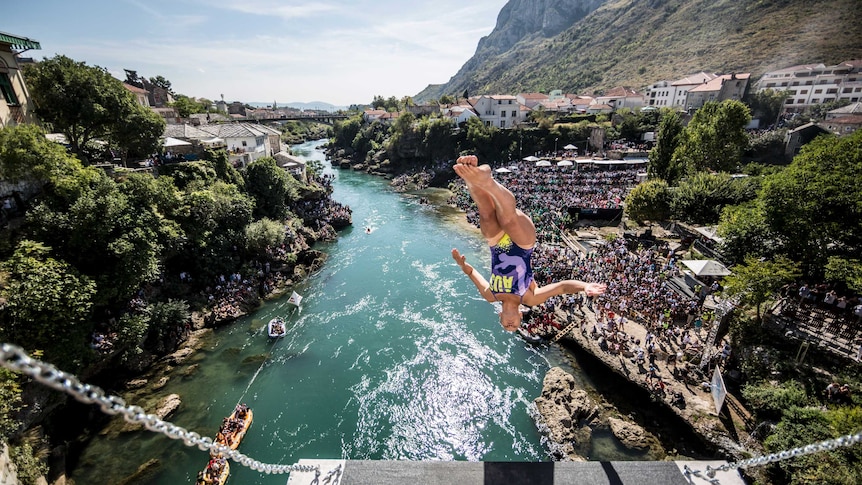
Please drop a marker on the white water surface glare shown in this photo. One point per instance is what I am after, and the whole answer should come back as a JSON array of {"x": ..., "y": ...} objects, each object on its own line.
[{"x": 393, "y": 356}]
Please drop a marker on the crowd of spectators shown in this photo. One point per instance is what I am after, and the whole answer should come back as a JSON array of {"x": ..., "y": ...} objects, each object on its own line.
[
  {"x": 638, "y": 279},
  {"x": 547, "y": 193}
]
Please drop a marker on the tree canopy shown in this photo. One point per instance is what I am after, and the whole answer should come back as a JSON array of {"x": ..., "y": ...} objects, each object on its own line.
[
  {"x": 87, "y": 104},
  {"x": 661, "y": 161},
  {"x": 715, "y": 138},
  {"x": 815, "y": 204}
]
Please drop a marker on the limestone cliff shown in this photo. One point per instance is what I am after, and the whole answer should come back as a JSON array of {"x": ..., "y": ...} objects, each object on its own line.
[{"x": 586, "y": 46}]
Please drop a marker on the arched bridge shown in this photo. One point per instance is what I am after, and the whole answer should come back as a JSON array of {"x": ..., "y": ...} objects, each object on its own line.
[{"x": 325, "y": 118}]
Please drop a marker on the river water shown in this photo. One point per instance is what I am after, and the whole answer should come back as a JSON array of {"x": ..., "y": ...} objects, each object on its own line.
[{"x": 393, "y": 356}]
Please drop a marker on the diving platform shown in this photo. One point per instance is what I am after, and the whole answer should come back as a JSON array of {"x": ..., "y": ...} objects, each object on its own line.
[{"x": 362, "y": 472}]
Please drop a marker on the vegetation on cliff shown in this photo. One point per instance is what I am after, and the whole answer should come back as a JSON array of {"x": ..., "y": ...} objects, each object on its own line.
[{"x": 103, "y": 270}]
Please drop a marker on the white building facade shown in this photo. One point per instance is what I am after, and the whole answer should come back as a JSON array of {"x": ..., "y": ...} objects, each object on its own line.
[
  {"x": 811, "y": 84},
  {"x": 502, "y": 111}
]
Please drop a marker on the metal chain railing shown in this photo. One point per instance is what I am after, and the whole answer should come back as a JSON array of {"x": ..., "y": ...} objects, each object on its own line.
[
  {"x": 15, "y": 359},
  {"x": 825, "y": 445}
]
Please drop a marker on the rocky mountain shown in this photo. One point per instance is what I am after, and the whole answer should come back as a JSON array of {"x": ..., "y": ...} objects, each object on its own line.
[{"x": 587, "y": 46}]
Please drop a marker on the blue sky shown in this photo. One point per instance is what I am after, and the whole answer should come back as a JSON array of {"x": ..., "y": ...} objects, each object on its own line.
[{"x": 337, "y": 51}]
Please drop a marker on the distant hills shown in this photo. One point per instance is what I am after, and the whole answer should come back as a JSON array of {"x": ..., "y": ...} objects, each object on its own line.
[
  {"x": 312, "y": 105},
  {"x": 588, "y": 46}
]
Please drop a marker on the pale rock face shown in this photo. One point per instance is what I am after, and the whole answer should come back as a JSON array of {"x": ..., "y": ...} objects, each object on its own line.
[
  {"x": 565, "y": 411},
  {"x": 630, "y": 434}
]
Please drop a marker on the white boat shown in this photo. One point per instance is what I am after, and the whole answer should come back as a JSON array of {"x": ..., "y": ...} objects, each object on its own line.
[{"x": 276, "y": 328}]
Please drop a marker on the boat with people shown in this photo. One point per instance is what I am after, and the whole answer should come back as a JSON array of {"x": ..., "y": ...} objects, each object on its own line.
[
  {"x": 215, "y": 473},
  {"x": 530, "y": 337},
  {"x": 276, "y": 328},
  {"x": 234, "y": 427}
]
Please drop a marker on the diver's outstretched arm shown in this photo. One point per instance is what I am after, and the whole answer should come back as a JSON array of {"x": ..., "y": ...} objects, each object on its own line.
[
  {"x": 542, "y": 293},
  {"x": 481, "y": 283}
]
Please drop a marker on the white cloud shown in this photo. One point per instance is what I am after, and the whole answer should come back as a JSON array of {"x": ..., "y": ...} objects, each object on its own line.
[{"x": 258, "y": 50}]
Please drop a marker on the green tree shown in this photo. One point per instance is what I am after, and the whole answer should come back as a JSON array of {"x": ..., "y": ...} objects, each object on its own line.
[
  {"x": 437, "y": 140},
  {"x": 262, "y": 235},
  {"x": 271, "y": 188},
  {"x": 661, "y": 162},
  {"x": 801, "y": 426},
  {"x": 42, "y": 295},
  {"x": 649, "y": 201},
  {"x": 745, "y": 232},
  {"x": 701, "y": 196},
  {"x": 768, "y": 400},
  {"x": 196, "y": 174},
  {"x": 86, "y": 103},
  {"x": 161, "y": 82},
  {"x": 165, "y": 320},
  {"x": 10, "y": 403},
  {"x": 756, "y": 281},
  {"x": 26, "y": 155},
  {"x": 103, "y": 233},
  {"x": 185, "y": 106},
  {"x": 214, "y": 218},
  {"x": 715, "y": 138},
  {"x": 814, "y": 203},
  {"x": 766, "y": 105},
  {"x": 845, "y": 270},
  {"x": 225, "y": 171}
]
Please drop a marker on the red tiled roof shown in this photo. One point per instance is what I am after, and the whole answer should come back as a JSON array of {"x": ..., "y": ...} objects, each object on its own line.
[
  {"x": 698, "y": 78},
  {"x": 715, "y": 84}
]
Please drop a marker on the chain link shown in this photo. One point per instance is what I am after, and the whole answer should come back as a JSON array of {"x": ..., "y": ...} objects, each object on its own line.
[
  {"x": 14, "y": 358},
  {"x": 825, "y": 445}
]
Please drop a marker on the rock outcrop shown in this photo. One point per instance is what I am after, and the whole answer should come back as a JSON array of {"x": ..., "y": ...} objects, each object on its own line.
[
  {"x": 566, "y": 412},
  {"x": 630, "y": 434}
]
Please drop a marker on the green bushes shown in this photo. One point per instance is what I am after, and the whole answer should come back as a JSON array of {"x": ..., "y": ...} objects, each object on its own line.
[{"x": 770, "y": 400}]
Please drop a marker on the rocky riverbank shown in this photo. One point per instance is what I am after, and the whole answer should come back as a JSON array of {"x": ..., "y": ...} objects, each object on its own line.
[
  {"x": 697, "y": 408},
  {"x": 569, "y": 416}
]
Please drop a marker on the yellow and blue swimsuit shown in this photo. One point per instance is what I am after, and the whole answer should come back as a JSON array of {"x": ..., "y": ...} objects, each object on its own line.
[{"x": 511, "y": 271}]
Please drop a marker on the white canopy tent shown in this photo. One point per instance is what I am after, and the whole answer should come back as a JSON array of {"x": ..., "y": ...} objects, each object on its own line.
[
  {"x": 502, "y": 170},
  {"x": 531, "y": 158},
  {"x": 174, "y": 142},
  {"x": 569, "y": 147},
  {"x": 565, "y": 163},
  {"x": 212, "y": 142},
  {"x": 543, "y": 163},
  {"x": 706, "y": 267}
]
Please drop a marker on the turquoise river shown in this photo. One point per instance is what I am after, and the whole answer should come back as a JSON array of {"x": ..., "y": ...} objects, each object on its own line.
[{"x": 393, "y": 356}]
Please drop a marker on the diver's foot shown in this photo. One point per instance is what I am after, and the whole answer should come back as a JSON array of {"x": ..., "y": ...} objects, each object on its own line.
[
  {"x": 468, "y": 160},
  {"x": 476, "y": 176}
]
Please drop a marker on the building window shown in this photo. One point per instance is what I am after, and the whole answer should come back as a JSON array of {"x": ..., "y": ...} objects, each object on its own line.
[
  {"x": 244, "y": 143},
  {"x": 804, "y": 91},
  {"x": 818, "y": 91},
  {"x": 815, "y": 100},
  {"x": 503, "y": 113},
  {"x": 789, "y": 101},
  {"x": 502, "y": 123},
  {"x": 514, "y": 114},
  {"x": 7, "y": 91}
]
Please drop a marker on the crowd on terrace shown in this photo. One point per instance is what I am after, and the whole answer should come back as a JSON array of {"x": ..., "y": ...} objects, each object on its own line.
[{"x": 547, "y": 193}]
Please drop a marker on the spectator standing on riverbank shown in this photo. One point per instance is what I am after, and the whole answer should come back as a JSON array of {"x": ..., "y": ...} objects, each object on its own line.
[{"x": 511, "y": 235}]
